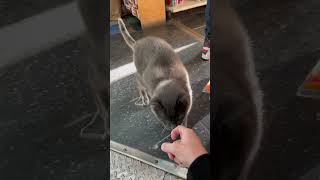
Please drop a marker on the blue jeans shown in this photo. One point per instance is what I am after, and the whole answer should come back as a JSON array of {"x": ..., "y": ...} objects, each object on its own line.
[{"x": 207, "y": 30}]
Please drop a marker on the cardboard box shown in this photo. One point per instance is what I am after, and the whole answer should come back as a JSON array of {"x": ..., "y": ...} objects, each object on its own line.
[{"x": 115, "y": 9}]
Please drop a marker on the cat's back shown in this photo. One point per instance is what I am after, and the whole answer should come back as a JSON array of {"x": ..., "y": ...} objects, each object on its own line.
[
  {"x": 153, "y": 51},
  {"x": 151, "y": 46}
]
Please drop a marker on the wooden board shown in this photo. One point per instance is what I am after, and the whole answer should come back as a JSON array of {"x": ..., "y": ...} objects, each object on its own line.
[
  {"x": 115, "y": 9},
  {"x": 151, "y": 12}
]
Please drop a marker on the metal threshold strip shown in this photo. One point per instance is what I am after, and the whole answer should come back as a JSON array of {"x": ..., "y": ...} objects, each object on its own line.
[{"x": 149, "y": 159}]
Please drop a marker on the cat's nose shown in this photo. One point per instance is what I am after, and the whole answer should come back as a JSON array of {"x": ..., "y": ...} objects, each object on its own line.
[{"x": 177, "y": 121}]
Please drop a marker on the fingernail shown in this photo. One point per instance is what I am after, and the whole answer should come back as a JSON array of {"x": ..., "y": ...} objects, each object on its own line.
[{"x": 162, "y": 146}]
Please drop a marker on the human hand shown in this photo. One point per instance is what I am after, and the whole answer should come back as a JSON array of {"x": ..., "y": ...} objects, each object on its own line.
[{"x": 185, "y": 150}]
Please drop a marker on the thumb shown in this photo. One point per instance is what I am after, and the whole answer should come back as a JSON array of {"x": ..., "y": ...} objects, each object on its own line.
[{"x": 168, "y": 148}]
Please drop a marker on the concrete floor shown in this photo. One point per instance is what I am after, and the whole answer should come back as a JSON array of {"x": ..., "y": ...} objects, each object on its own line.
[
  {"x": 38, "y": 96},
  {"x": 134, "y": 169},
  {"x": 16, "y": 10}
]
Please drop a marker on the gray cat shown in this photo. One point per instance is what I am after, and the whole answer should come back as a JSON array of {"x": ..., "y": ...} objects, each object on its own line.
[
  {"x": 238, "y": 106},
  {"x": 95, "y": 15},
  {"x": 163, "y": 81}
]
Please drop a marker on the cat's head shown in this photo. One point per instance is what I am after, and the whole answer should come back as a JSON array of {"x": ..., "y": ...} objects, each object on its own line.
[{"x": 171, "y": 103}]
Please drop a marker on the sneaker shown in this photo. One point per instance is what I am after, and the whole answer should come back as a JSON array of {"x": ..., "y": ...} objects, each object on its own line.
[{"x": 206, "y": 50}]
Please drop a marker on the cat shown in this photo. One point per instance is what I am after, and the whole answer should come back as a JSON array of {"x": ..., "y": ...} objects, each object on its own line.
[
  {"x": 95, "y": 17},
  {"x": 163, "y": 81},
  {"x": 237, "y": 99}
]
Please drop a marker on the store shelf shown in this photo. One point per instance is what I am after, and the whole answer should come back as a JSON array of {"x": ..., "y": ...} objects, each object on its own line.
[{"x": 187, "y": 4}]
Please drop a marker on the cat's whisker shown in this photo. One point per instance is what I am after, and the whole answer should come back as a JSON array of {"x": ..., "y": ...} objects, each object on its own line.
[
  {"x": 156, "y": 146},
  {"x": 163, "y": 130}
]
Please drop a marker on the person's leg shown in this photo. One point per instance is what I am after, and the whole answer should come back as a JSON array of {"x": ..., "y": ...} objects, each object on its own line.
[
  {"x": 206, "y": 44},
  {"x": 208, "y": 20}
]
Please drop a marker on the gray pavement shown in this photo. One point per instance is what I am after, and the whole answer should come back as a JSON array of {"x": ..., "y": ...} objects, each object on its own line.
[
  {"x": 38, "y": 97},
  {"x": 134, "y": 169},
  {"x": 41, "y": 94},
  {"x": 16, "y": 10},
  {"x": 39, "y": 32}
]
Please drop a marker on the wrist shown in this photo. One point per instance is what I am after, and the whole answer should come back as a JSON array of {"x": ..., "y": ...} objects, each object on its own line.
[
  {"x": 197, "y": 155},
  {"x": 201, "y": 167}
]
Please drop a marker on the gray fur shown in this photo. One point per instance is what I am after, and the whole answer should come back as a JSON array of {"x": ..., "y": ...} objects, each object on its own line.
[
  {"x": 238, "y": 93},
  {"x": 94, "y": 15},
  {"x": 161, "y": 76}
]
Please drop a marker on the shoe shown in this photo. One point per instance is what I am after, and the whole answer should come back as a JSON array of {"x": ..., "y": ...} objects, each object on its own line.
[{"x": 206, "y": 50}]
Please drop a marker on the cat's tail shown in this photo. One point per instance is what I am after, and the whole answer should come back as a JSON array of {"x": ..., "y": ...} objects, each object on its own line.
[{"x": 125, "y": 34}]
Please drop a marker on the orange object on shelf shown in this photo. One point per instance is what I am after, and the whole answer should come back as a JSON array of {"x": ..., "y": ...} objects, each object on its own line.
[
  {"x": 314, "y": 78},
  {"x": 311, "y": 85},
  {"x": 313, "y": 82},
  {"x": 207, "y": 88}
]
